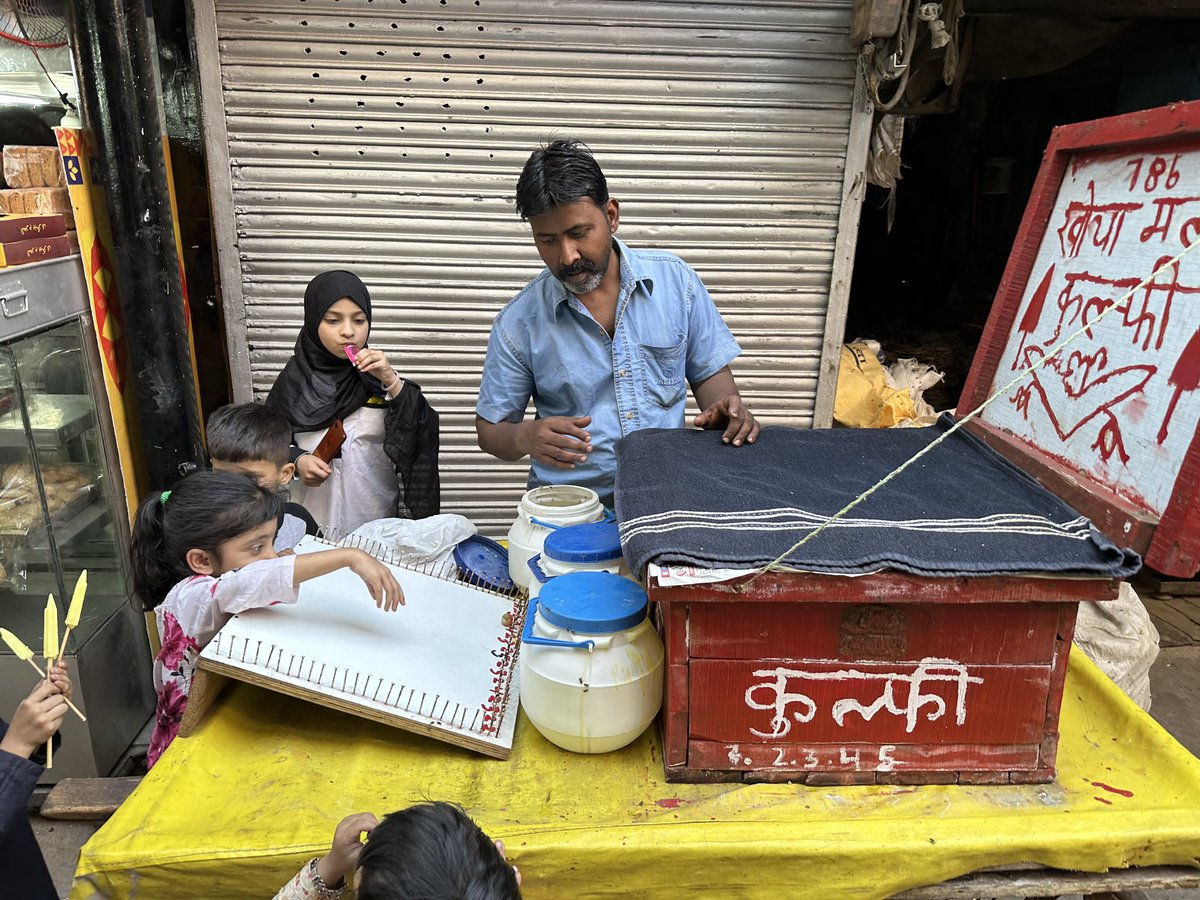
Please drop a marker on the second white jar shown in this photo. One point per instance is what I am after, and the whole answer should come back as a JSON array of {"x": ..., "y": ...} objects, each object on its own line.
[{"x": 540, "y": 511}]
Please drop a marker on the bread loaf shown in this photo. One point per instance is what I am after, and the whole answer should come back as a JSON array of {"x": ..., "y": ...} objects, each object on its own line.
[
  {"x": 31, "y": 167},
  {"x": 38, "y": 202}
]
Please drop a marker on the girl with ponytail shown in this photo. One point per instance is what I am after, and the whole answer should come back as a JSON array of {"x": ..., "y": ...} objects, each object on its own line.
[{"x": 203, "y": 552}]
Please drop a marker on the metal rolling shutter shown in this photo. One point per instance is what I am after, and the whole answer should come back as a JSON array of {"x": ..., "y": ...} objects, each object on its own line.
[{"x": 386, "y": 136}]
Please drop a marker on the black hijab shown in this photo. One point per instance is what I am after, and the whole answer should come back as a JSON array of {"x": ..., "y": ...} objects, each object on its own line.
[{"x": 316, "y": 387}]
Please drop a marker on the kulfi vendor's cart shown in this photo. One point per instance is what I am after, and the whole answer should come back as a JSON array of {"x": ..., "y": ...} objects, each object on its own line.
[{"x": 943, "y": 658}]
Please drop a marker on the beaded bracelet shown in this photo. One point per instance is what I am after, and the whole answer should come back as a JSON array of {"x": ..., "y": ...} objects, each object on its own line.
[{"x": 324, "y": 890}]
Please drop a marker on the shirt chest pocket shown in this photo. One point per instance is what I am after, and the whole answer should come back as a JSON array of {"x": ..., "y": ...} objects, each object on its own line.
[{"x": 663, "y": 372}]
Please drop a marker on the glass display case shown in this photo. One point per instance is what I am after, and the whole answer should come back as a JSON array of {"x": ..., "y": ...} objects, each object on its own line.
[{"x": 61, "y": 511}]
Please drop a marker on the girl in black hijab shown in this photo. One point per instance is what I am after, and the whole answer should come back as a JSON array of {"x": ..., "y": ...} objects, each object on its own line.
[{"x": 387, "y": 464}]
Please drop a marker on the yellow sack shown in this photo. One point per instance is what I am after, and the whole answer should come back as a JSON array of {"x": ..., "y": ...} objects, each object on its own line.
[{"x": 865, "y": 397}]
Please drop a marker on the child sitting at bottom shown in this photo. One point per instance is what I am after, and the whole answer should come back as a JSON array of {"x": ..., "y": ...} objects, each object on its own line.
[
  {"x": 431, "y": 850},
  {"x": 252, "y": 439},
  {"x": 203, "y": 552}
]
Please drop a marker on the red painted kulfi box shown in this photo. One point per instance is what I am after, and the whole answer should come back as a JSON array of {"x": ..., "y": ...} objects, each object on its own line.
[{"x": 923, "y": 635}]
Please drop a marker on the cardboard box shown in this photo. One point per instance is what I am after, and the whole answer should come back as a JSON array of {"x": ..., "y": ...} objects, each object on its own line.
[
  {"x": 15, "y": 253},
  {"x": 27, "y": 228}
]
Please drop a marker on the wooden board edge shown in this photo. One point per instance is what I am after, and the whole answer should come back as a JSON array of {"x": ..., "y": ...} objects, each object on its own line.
[
  {"x": 1043, "y": 882},
  {"x": 206, "y": 687},
  {"x": 282, "y": 687},
  {"x": 1068, "y": 614},
  {"x": 1175, "y": 549},
  {"x": 891, "y": 587}
]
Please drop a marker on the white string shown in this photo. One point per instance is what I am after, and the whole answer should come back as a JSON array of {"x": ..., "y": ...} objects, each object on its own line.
[{"x": 1087, "y": 326}]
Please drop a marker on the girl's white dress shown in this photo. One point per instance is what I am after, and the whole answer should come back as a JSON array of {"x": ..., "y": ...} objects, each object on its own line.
[{"x": 362, "y": 486}]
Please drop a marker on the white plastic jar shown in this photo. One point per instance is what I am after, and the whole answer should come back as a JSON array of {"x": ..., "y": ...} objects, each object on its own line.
[
  {"x": 539, "y": 512},
  {"x": 591, "y": 547},
  {"x": 591, "y": 662}
]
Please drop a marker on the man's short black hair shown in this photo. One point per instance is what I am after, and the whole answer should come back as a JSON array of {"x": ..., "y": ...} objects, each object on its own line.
[
  {"x": 560, "y": 172},
  {"x": 249, "y": 432},
  {"x": 435, "y": 852}
]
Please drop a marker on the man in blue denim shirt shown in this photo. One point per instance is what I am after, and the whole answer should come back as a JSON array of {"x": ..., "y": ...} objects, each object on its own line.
[{"x": 606, "y": 340}]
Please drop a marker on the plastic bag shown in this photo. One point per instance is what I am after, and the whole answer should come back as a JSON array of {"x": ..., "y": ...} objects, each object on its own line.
[
  {"x": 915, "y": 378},
  {"x": 415, "y": 541},
  {"x": 1119, "y": 637},
  {"x": 67, "y": 486},
  {"x": 871, "y": 396},
  {"x": 33, "y": 167}
]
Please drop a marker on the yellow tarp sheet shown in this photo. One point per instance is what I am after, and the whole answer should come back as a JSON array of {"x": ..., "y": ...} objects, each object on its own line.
[{"x": 234, "y": 810}]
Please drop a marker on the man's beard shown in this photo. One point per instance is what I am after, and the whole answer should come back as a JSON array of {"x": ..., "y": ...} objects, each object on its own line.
[{"x": 595, "y": 274}]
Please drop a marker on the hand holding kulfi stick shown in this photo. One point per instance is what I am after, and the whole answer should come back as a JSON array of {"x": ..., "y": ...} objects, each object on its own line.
[{"x": 25, "y": 653}]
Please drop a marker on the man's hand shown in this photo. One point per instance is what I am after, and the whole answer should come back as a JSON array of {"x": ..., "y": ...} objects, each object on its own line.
[
  {"x": 36, "y": 719},
  {"x": 342, "y": 859},
  {"x": 732, "y": 414},
  {"x": 313, "y": 471},
  {"x": 558, "y": 441}
]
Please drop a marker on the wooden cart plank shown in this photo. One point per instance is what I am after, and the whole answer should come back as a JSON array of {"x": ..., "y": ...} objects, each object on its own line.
[
  {"x": 1167, "y": 611},
  {"x": 1052, "y": 882}
]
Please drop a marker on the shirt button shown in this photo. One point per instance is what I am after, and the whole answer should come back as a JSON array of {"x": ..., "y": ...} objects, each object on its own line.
[
  {"x": 623, "y": 373},
  {"x": 629, "y": 415}
]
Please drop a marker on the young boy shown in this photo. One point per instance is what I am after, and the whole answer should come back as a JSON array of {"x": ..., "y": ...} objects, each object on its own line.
[
  {"x": 252, "y": 439},
  {"x": 427, "y": 850}
]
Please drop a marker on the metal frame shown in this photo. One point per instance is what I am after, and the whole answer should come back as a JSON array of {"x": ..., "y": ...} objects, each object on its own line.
[{"x": 203, "y": 17}]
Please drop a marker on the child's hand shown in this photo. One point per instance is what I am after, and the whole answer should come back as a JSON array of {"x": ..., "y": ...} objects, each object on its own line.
[
  {"x": 342, "y": 859},
  {"x": 313, "y": 470},
  {"x": 504, "y": 856},
  {"x": 378, "y": 578},
  {"x": 373, "y": 362},
  {"x": 60, "y": 679},
  {"x": 37, "y": 718}
]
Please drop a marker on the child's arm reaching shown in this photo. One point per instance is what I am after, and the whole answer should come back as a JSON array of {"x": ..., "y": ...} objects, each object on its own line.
[
  {"x": 378, "y": 578},
  {"x": 270, "y": 581}
]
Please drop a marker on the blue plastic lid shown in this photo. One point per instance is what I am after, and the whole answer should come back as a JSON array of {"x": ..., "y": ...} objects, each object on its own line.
[
  {"x": 592, "y": 602},
  {"x": 482, "y": 561},
  {"x": 591, "y": 542}
]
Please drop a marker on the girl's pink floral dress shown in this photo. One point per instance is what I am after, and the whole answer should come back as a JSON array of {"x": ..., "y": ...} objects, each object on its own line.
[{"x": 190, "y": 616}]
